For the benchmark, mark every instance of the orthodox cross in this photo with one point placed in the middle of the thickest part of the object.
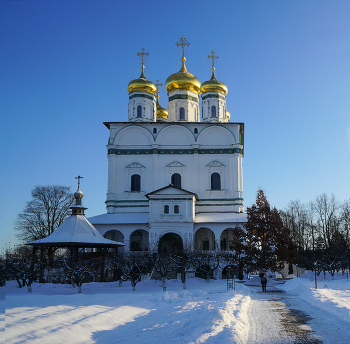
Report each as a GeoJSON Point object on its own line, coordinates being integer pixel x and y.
{"type": "Point", "coordinates": [78, 181]}
{"type": "Point", "coordinates": [213, 57]}
{"type": "Point", "coordinates": [157, 85]}
{"type": "Point", "coordinates": [143, 54]}
{"type": "Point", "coordinates": [183, 43]}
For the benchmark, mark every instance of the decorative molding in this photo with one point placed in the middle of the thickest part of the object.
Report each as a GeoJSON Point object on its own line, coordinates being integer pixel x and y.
{"type": "Point", "coordinates": [175, 164]}
{"type": "Point", "coordinates": [142, 96]}
{"type": "Point", "coordinates": [126, 201]}
{"type": "Point", "coordinates": [128, 206]}
{"type": "Point", "coordinates": [215, 163]}
{"type": "Point", "coordinates": [183, 96]}
{"type": "Point", "coordinates": [217, 205]}
{"type": "Point", "coordinates": [174, 151]}
{"type": "Point", "coordinates": [135, 165]}
{"type": "Point", "coordinates": [214, 96]}
{"type": "Point", "coordinates": [221, 199]}
{"type": "Point", "coordinates": [172, 199]}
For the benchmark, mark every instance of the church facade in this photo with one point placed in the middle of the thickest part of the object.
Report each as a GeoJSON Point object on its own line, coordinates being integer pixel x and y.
{"type": "Point", "coordinates": [175, 177]}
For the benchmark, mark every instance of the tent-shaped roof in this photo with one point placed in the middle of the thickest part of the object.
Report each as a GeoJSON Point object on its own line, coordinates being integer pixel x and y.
{"type": "Point", "coordinates": [76, 231]}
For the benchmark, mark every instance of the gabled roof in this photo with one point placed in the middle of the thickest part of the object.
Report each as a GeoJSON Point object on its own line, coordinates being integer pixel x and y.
{"type": "Point", "coordinates": [176, 192]}
{"type": "Point", "coordinates": [76, 231]}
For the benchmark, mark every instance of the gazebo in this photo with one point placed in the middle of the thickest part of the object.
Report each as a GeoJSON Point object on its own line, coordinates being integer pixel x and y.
{"type": "Point", "coordinates": [76, 233]}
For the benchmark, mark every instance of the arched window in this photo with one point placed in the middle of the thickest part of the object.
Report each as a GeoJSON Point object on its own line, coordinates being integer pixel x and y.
{"type": "Point", "coordinates": [213, 111]}
{"type": "Point", "coordinates": [215, 181]}
{"type": "Point", "coordinates": [154, 130]}
{"type": "Point", "coordinates": [139, 111]}
{"type": "Point", "coordinates": [176, 180]}
{"type": "Point", "coordinates": [166, 209]}
{"type": "Point", "coordinates": [176, 209]}
{"type": "Point", "coordinates": [195, 130]}
{"type": "Point", "coordinates": [135, 182]}
{"type": "Point", "coordinates": [182, 113]}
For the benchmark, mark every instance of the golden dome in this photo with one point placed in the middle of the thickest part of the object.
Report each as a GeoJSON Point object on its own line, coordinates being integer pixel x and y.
{"type": "Point", "coordinates": [142, 85]}
{"type": "Point", "coordinates": [214, 85]}
{"type": "Point", "coordinates": [228, 116]}
{"type": "Point", "coordinates": [162, 114]}
{"type": "Point", "coordinates": [182, 80]}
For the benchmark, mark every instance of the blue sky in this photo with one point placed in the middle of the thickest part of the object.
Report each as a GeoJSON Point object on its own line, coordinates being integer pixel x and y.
{"type": "Point", "coordinates": [65, 67]}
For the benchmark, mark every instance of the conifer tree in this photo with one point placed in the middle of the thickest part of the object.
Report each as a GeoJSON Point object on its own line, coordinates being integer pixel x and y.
{"type": "Point", "coordinates": [268, 244]}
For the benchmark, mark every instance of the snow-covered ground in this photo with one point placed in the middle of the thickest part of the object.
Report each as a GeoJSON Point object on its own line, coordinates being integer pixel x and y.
{"type": "Point", "coordinates": [203, 313]}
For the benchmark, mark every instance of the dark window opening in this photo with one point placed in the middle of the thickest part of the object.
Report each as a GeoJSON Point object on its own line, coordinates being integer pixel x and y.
{"type": "Point", "coordinates": [139, 111]}
{"type": "Point", "coordinates": [205, 245]}
{"type": "Point", "coordinates": [135, 182]}
{"type": "Point", "coordinates": [182, 113]}
{"type": "Point", "coordinates": [195, 130]}
{"type": "Point", "coordinates": [176, 180]}
{"type": "Point", "coordinates": [213, 111]}
{"type": "Point", "coordinates": [215, 181]}
{"type": "Point", "coordinates": [176, 209]}
{"type": "Point", "coordinates": [154, 130]}
{"type": "Point", "coordinates": [166, 209]}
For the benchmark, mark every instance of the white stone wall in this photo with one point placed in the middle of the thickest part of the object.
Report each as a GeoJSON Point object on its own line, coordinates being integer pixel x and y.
{"type": "Point", "coordinates": [149, 109]}
{"type": "Point", "coordinates": [191, 107]}
{"type": "Point", "coordinates": [220, 105]}
{"type": "Point", "coordinates": [156, 169]}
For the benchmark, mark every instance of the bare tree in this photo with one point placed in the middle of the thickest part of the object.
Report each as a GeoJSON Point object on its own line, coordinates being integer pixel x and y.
{"type": "Point", "coordinates": [46, 211]}
{"type": "Point", "coordinates": [183, 261]}
{"type": "Point", "coordinates": [326, 211]}
{"type": "Point", "coordinates": [206, 262]}
{"type": "Point", "coordinates": [78, 271]}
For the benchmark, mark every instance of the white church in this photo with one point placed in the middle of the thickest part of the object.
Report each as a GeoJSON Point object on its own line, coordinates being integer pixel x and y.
{"type": "Point", "coordinates": [175, 178]}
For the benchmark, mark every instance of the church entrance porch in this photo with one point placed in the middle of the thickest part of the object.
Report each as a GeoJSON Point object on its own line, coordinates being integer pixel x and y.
{"type": "Point", "coordinates": [204, 240]}
{"type": "Point", "coordinates": [170, 242]}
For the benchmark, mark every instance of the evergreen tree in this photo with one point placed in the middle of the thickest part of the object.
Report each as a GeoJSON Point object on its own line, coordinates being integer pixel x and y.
{"type": "Point", "coordinates": [268, 244]}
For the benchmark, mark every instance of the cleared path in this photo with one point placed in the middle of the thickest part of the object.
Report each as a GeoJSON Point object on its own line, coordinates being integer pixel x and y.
{"type": "Point", "coordinates": [278, 317]}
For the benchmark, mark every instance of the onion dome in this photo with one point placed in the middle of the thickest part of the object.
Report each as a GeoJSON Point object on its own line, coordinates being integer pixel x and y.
{"type": "Point", "coordinates": [213, 85]}
{"type": "Point", "coordinates": [182, 80]}
{"type": "Point", "coordinates": [78, 195]}
{"type": "Point", "coordinates": [162, 114]}
{"type": "Point", "coordinates": [142, 85]}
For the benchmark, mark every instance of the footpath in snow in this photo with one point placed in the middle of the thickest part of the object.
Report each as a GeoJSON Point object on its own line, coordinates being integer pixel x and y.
{"type": "Point", "coordinates": [203, 313]}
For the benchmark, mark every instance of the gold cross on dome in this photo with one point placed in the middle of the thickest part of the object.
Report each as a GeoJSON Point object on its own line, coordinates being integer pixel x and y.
{"type": "Point", "coordinates": [183, 43]}
{"type": "Point", "coordinates": [79, 177]}
{"type": "Point", "coordinates": [213, 57]}
{"type": "Point", "coordinates": [143, 54]}
{"type": "Point", "coordinates": [158, 85]}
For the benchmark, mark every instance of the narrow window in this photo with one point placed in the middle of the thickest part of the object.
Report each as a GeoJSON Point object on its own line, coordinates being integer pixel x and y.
{"type": "Point", "coordinates": [176, 180]}
{"type": "Point", "coordinates": [139, 111]}
{"type": "Point", "coordinates": [195, 130]}
{"type": "Point", "coordinates": [213, 111]}
{"type": "Point", "coordinates": [135, 182]}
{"type": "Point", "coordinates": [176, 209]}
{"type": "Point", "coordinates": [215, 181]}
{"type": "Point", "coordinates": [154, 130]}
{"type": "Point", "coordinates": [182, 113]}
{"type": "Point", "coordinates": [166, 209]}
